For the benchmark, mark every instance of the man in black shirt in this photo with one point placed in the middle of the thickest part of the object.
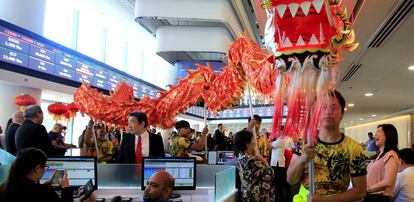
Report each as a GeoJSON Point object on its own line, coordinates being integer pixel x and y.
{"type": "Point", "coordinates": [17, 120]}
{"type": "Point", "coordinates": [32, 133]}
{"type": "Point", "coordinates": [220, 138]}
{"type": "Point", "coordinates": [56, 138]}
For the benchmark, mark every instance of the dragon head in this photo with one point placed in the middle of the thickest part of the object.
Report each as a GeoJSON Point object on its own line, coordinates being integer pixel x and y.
{"type": "Point", "coordinates": [319, 27]}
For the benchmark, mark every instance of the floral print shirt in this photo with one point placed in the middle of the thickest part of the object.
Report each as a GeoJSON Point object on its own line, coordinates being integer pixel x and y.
{"type": "Point", "coordinates": [256, 179]}
{"type": "Point", "coordinates": [262, 146]}
{"type": "Point", "coordinates": [179, 147]}
{"type": "Point", "coordinates": [335, 164]}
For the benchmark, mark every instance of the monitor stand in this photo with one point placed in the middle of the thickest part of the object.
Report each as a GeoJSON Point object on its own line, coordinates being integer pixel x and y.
{"type": "Point", "coordinates": [175, 195]}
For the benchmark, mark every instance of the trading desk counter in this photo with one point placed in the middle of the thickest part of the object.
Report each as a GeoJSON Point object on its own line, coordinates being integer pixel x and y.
{"type": "Point", "coordinates": [213, 182]}
{"type": "Point", "coordinates": [198, 195]}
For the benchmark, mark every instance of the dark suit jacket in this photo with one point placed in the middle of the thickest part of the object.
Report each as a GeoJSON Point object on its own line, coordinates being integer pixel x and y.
{"type": "Point", "coordinates": [127, 148]}
{"type": "Point", "coordinates": [10, 138]}
{"type": "Point", "coordinates": [30, 134]}
{"type": "Point", "coordinates": [220, 140]}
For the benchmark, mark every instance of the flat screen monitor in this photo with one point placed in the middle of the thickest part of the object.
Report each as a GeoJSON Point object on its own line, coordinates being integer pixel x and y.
{"type": "Point", "coordinates": [182, 169]}
{"type": "Point", "coordinates": [80, 169]}
{"type": "Point", "coordinates": [212, 157]}
{"type": "Point", "coordinates": [224, 156]}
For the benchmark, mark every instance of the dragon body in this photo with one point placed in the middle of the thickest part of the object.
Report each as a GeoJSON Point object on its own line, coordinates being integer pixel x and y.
{"type": "Point", "coordinates": [304, 42]}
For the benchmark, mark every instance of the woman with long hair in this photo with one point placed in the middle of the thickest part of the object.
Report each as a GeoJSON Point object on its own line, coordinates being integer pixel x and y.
{"type": "Point", "coordinates": [255, 173]}
{"type": "Point", "coordinates": [24, 175]}
{"type": "Point", "coordinates": [382, 171]}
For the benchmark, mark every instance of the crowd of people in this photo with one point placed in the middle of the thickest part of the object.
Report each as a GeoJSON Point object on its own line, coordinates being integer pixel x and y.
{"type": "Point", "coordinates": [268, 169]}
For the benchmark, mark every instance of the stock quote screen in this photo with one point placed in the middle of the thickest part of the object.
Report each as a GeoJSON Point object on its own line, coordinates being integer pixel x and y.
{"type": "Point", "coordinates": [25, 49]}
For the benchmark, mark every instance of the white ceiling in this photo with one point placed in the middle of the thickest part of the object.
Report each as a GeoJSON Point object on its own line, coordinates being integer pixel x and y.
{"type": "Point", "coordinates": [384, 69]}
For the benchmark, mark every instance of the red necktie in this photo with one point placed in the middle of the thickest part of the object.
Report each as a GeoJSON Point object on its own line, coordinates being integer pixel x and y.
{"type": "Point", "coordinates": [138, 153]}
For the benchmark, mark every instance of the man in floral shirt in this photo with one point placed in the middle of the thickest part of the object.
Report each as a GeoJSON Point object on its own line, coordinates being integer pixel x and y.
{"type": "Point", "coordinates": [180, 145]}
{"type": "Point", "coordinates": [338, 159]}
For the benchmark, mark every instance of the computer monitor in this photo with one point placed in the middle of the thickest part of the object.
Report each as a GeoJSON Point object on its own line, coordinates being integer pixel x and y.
{"type": "Point", "coordinates": [212, 157]}
{"type": "Point", "coordinates": [79, 169]}
{"type": "Point", "coordinates": [182, 169]}
{"type": "Point", "coordinates": [224, 156]}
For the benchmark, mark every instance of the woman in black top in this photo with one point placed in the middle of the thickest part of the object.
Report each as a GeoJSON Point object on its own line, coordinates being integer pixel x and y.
{"type": "Point", "coordinates": [22, 182]}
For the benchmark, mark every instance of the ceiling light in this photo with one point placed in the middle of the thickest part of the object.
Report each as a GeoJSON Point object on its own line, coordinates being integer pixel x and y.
{"type": "Point", "coordinates": [351, 104]}
{"type": "Point", "coordinates": [369, 94]}
{"type": "Point", "coordinates": [411, 68]}
{"type": "Point", "coordinates": [346, 109]}
{"type": "Point", "coordinates": [361, 119]}
{"type": "Point", "coordinates": [374, 115]}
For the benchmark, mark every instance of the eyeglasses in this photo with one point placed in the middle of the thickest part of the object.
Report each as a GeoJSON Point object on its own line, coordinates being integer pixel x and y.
{"type": "Point", "coordinates": [331, 107]}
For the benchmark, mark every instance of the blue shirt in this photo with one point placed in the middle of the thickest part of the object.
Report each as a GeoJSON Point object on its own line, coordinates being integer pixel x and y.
{"type": "Point", "coordinates": [371, 145]}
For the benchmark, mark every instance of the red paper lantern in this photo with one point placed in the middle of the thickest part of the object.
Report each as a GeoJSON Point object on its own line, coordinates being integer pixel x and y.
{"type": "Point", "coordinates": [57, 110]}
{"type": "Point", "coordinates": [24, 100]}
{"type": "Point", "coordinates": [72, 108]}
{"type": "Point", "coordinates": [66, 116]}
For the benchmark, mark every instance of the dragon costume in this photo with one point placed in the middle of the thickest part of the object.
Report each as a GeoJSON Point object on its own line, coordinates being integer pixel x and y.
{"type": "Point", "coordinates": [304, 42]}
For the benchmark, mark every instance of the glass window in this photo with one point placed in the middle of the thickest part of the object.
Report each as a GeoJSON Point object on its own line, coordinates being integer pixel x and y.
{"type": "Point", "coordinates": [135, 59]}
{"type": "Point", "coordinates": [90, 34]}
{"type": "Point", "coordinates": [48, 121]}
{"type": "Point", "coordinates": [115, 48]}
{"type": "Point", "coordinates": [58, 24]}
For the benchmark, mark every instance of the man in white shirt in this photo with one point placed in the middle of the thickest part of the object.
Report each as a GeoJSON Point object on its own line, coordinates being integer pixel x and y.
{"type": "Point", "coordinates": [278, 163]}
{"type": "Point", "coordinates": [404, 187]}
{"type": "Point", "coordinates": [139, 143]}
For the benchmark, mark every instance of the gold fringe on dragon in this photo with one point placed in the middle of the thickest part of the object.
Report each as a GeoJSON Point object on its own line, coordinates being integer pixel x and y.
{"type": "Point", "coordinates": [304, 42]}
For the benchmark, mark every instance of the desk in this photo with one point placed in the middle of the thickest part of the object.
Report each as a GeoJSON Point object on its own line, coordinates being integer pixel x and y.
{"type": "Point", "coordinates": [199, 195]}
{"type": "Point", "coordinates": [213, 181]}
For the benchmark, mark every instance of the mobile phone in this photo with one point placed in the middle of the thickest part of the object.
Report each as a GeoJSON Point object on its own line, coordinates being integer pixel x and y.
{"type": "Point", "coordinates": [88, 189]}
{"type": "Point", "coordinates": [58, 175]}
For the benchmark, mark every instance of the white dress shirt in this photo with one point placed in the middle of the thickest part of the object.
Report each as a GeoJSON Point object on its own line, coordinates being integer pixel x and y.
{"type": "Point", "coordinates": [404, 187]}
{"type": "Point", "coordinates": [278, 152]}
{"type": "Point", "coordinates": [144, 143]}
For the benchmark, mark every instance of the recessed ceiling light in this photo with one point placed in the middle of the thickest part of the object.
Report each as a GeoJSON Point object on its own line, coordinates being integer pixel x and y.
{"type": "Point", "coordinates": [346, 109]}
{"type": "Point", "coordinates": [351, 104]}
{"type": "Point", "coordinates": [374, 115]}
{"type": "Point", "coordinates": [369, 94]}
{"type": "Point", "coordinates": [411, 68]}
{"type": "Point", "coordinates": [361, 119]}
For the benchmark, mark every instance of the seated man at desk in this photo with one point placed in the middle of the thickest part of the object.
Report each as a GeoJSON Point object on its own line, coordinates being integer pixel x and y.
{"type": "Point", "coordinates": [159, 187]}
{"type": "Point", "coordinates": [180, 146]}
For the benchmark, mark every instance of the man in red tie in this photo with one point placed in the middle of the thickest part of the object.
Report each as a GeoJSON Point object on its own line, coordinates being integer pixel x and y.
{"type": "Point", "coordinates": [140, 142]}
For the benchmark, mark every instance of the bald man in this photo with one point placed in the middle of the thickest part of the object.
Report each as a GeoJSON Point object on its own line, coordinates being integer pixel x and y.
{"type": "Point", "coordinates": [17, 120]}
{"type": "Point", "coordinates": [56, 138]}
{"type": "Point", "coordinates": [159, 187]}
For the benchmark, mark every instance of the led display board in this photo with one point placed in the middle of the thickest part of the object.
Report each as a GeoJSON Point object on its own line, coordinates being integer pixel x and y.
{"type": "Point", "coordinates": [22, 51]}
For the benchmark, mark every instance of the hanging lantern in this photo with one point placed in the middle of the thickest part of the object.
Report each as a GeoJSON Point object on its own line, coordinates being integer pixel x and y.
{"type": "Point", "coordinates": [66, 116]}
{"type": "Point", "coordinates": [24, 100]}
{"type": "Point", "coordinates": [57, 110]}
{"type": "Point", "coordinates": [72, 108]}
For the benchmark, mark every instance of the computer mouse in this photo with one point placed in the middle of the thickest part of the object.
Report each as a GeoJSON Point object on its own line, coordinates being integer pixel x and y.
{"type": "Point", "coordinates": [116, 199]}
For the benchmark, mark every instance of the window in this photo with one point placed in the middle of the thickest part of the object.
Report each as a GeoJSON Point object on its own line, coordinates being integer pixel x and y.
{"type": "Point", "coordinates": [58, 24]}
{"type": "Point", "coordinates": [90, 34]}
